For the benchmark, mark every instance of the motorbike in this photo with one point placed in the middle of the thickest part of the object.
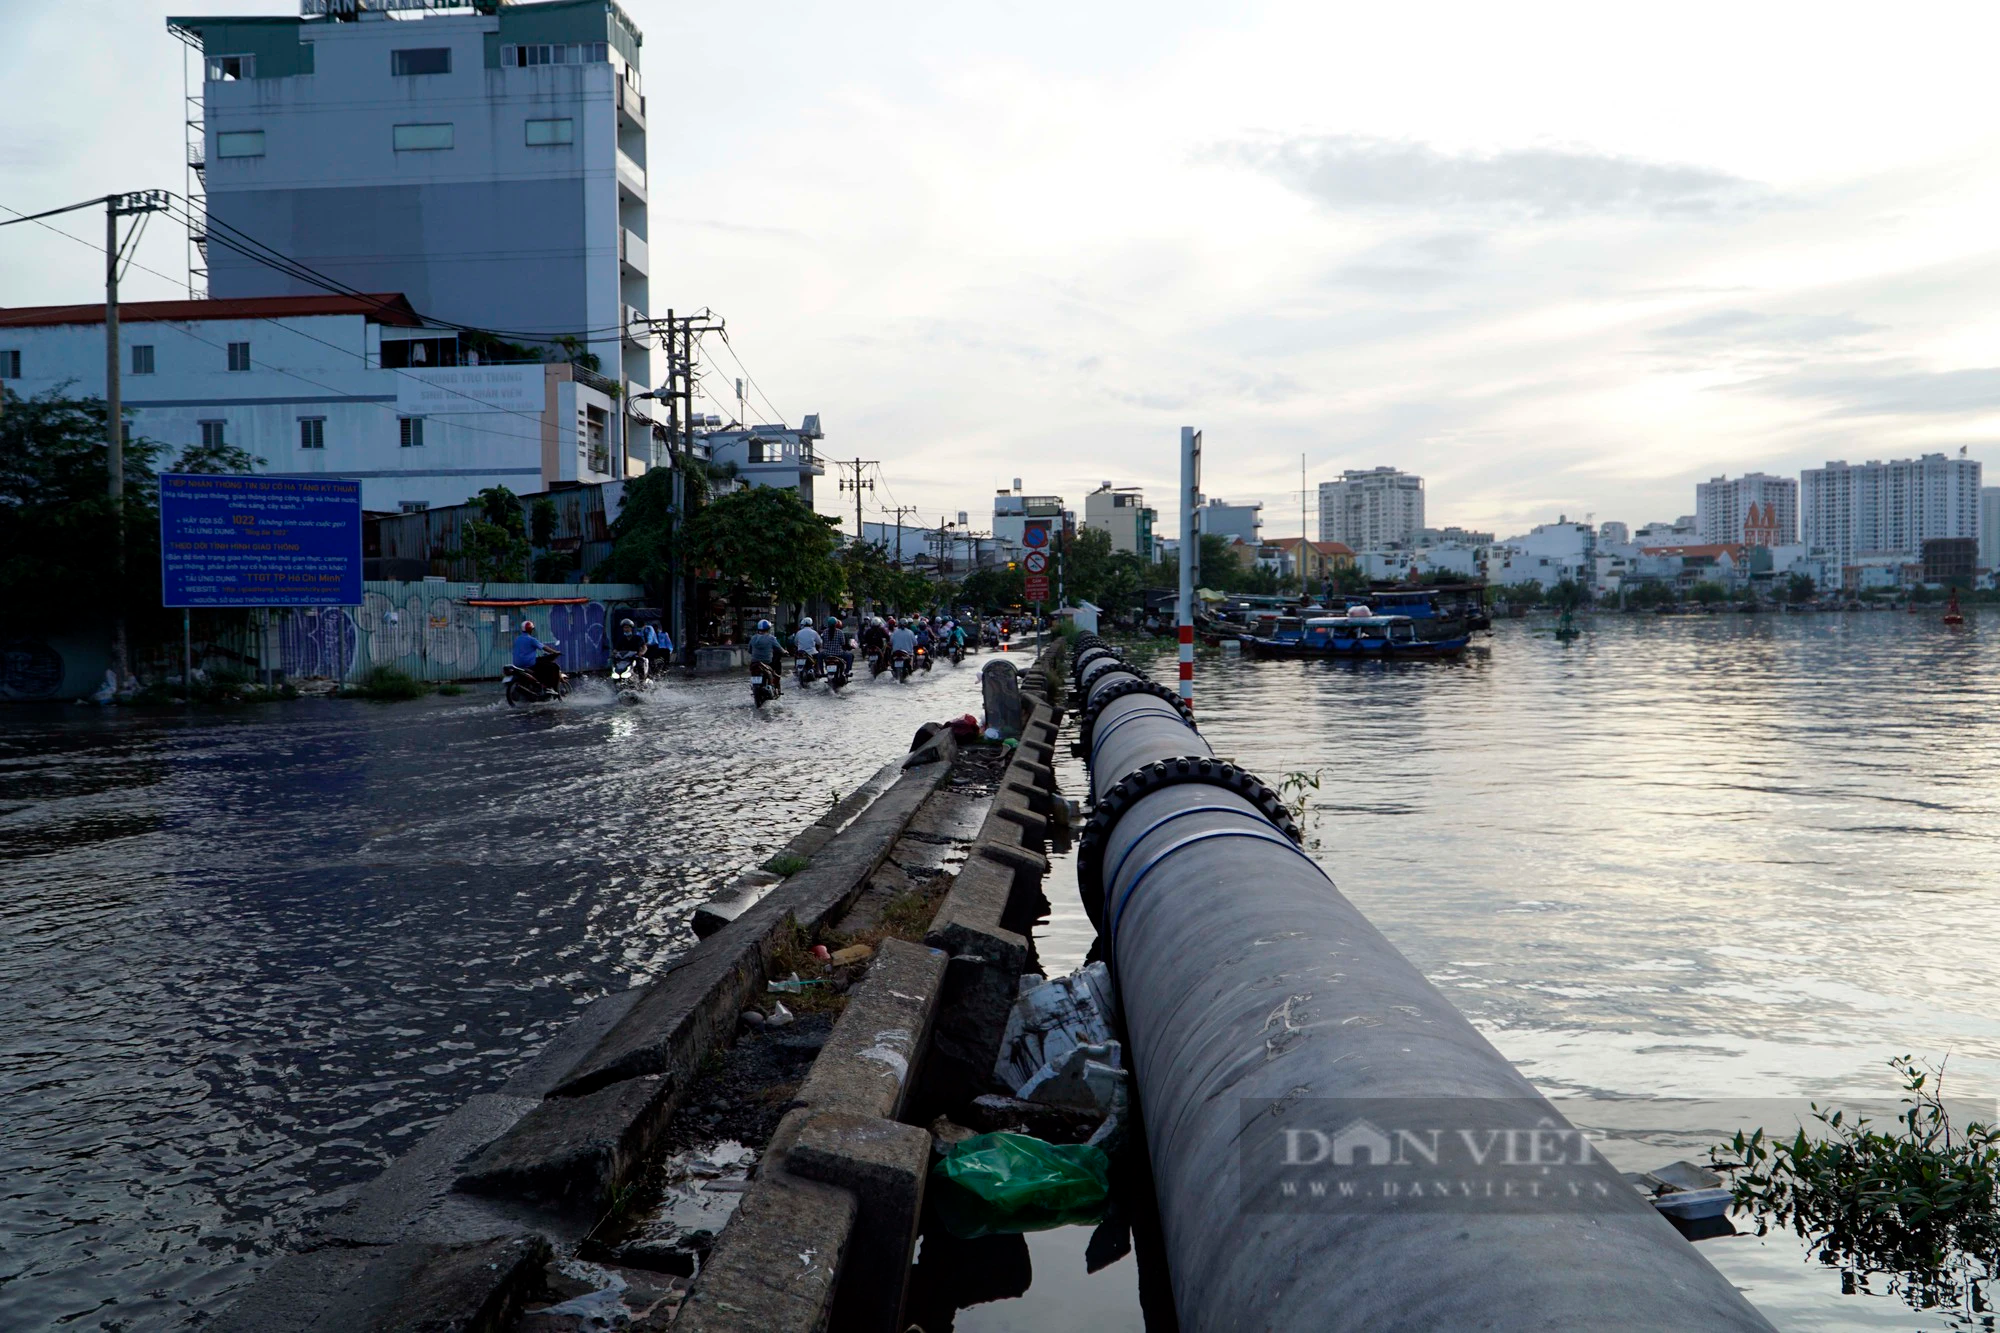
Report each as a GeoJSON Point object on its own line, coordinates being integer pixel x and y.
{"type": "Point", "coordinates": [628, 676]}
{"type": "Point", "coordinates": [923, 658]}
{"type": "Point", "coordinates": [808, 669]}
{"type": "Point", "coordinates": [957, 652]}
{"type": "Point", "coordinates": [901, 663]}
{"type": "Point", "coordinates": [765, 683]}
{"type": "Point", "coordinates": [835, 671]}
{"type": "Point", "coordinates": [523, 686]}
{"type": "Point", "coordinates": [879, 662]}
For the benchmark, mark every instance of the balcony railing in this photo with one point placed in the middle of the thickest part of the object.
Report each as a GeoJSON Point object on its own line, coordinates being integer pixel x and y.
{"type": "Point", "coordinates": [631, 104]}
{"type": "Point", "coordinates": [631, 177]}
{"type": "Point", "coordinates": [632, 251]}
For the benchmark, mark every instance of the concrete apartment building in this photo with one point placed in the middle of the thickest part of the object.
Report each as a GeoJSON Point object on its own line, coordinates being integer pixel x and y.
{"type": "Point", "coordinates": [769, 455]}
{"type": "Point", "coordinates": [327, 385]}
{"type": "Point", "coordinates": [1122, 512]}
{"type": "Point", "coordinates": [1888, 509]}
{"type": "Point", "coordinates": [1723, 507]}
{"type": "Point", "coordinates": [1989, 527]}
{"type": "Point", "coordinates": [485, 160]}
{"type": "Point", "coordinates": [1372, 507]}
{"type": "Point", "coordinates": [1233, 522]}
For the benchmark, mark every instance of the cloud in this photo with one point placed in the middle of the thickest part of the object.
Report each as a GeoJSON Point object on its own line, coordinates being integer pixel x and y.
{"type": "Point", "coordinates": [1352, 172]}
{"type": "Point", "coordinates": [1755, 326]}
{"type": "Point", "coordinates": [1890, 388]}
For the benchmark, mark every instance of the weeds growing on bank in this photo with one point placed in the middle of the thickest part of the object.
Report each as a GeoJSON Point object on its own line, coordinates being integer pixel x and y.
{"type": "Point", "coordinates": [1915, 1207]}
{"type": "Point", "coordinates": [787, 864]}
{"type": "Point", "coordinates": [386, 683]}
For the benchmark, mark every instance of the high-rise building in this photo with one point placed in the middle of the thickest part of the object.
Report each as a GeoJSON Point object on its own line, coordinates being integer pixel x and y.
{"type": "Point", "coordinates": [1722, 507]}
{"type": "Point", "coordinates": [1372, 507]}
{"type": "Point", "coordinates": [1242, 523]}
{"type": "Point", "coordinates": [1122, 512]}
{"type": "Point", "coordinates": [1614, 534]}
{"type": "Point", "coordinates": [1890, 508]}
{"type": "Point", "coordinates": [486, 160]}
{"type": "Point", "coordinates": [1989, 527]}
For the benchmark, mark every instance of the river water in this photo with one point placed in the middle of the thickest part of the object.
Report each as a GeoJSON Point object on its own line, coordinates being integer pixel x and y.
{"type": "Point", "coordinates": [244, 961]}
{"type": "Point", "coordinates": [248, 958]}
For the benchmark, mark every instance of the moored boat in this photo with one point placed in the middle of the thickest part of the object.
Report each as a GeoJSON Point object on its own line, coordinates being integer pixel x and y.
{"type": "Point", "coordinates": [1356, 637]}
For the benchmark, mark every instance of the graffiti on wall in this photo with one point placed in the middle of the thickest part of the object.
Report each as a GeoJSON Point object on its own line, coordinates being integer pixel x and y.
{"type": "Point", "coordinates": [580, 630]}
{"type": "Point", "coordinates": [317, 641]}
{"type": "Point", "coordinates": [439, 633]}
{"type": "Point", "coordinates": [29, 669]}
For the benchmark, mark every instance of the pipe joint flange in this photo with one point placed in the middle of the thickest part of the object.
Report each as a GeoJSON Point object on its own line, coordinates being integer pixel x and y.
{"type": "Point", "coordinates": [1137, 785]}
{"type": "Point", "coordinates": [1087, 666]}
{"type": "Point", "coordinates": [1087, 721]}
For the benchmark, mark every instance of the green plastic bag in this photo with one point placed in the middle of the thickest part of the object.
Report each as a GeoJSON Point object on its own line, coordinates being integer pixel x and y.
{"type": "Point", "coordinates": [1000, 1184]}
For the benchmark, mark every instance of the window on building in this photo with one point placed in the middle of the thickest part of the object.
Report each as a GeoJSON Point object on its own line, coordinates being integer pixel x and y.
{"type": "Point", "coordinates": [227, 69]}
{"type": "Point", "coordinates": [10, 365]}
{"type": "Point", "coordinates": [413, 431]}
{"type": "Point", "coordinates": [413, 506]}
{"type": "Point", "coordinates": [422, 138]}
{"type": "Point", "coordinates": [239, 356]}
{"type": "Point", "coordinates": [312, 432]}
{"type": "Point", "coordinates": [403, 353]}
{"type": "Point", "coordinates": [211, 434]}
{"type": "Point", "coordinates": [421, 60]}
{"type": "Point", "coordinates": [545, 132]}
{"type": "Point", "coordinates": [580, 53]}
{"type": "Point", "coordinates": [239, 143]}
{"type": "Point", "coordinates": [142, 358]}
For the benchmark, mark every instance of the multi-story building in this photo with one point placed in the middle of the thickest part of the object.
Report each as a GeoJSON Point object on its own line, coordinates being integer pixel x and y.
{"type": "Point", "coordinates": [1989, 527]}
{"type": "Point", "coordinates": [1613, 534]}
{"type": "Point", "coordinates": [1770, 504]}
{"type": "Point", "coordinates": [769, 455]}
{"type": "Point", "coordinates": [486, 160]}
{"type": "Point", "coordinates": [328, 385]}
{"type": "Point", "coordinates": [1012, 510]}
{"type": "Point", "coordinates": [1681, 532]}
{"type": "Point", "coordinates": [1453, 536]}
{"type": "Point", "coordinates": [1372, 507]}
{"type": "Point", "coordinates": [1122, 512]}
{"type": "Point", "coordinates": [1233, 522]}
{"type": "Point", "coordinates": [1548, 554]}
{"type": "Point", "coordinates": [1877, 508]}
{"type": "Point", "coordinates": [1318, 562]}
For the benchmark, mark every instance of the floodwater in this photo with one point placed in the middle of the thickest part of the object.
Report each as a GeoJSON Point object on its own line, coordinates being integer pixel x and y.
{"type": "Point", "coordinates": [1730, 859]}
{"type": "Point", "coordinates": [248, 958]}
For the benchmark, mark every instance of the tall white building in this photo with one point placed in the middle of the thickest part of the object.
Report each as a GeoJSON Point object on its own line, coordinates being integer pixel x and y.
{"type": "Point", "coordinates": [1874, 508]}
{"type": "Point", "coordinates": [486, 160]}
{"type": "Point", "coordinates": [1372, 507]}
{"type": "Point", "coordinates": [1722, 507]}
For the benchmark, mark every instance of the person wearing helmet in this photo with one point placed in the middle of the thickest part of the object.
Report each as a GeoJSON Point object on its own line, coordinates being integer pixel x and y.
{"type": "Point", "coordinates": [837, 644]}
{"type": "Point", "coordinates": [528, 657]}
{"type": "Point", "coordinates": [764, 650]}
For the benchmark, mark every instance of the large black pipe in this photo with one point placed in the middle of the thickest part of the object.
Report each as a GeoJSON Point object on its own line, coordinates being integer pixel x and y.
{"type": "Point", "coordinates": [1258, 1001]}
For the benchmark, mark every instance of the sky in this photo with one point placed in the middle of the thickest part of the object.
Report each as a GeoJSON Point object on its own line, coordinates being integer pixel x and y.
{"type": "Point", "coordinates": [1557, 259]}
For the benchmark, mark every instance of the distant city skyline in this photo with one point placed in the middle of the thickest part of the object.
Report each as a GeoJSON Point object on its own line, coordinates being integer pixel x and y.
{"type": "Point", "coordinates": [1529, 267]}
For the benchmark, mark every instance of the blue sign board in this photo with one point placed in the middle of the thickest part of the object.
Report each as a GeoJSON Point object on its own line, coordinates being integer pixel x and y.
{"type": "Point", "coordinates": [236, 540]}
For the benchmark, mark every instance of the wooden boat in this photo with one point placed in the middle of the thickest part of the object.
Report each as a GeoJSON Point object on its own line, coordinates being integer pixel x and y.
{"type": "Point", "coordinates": [1357, 637]}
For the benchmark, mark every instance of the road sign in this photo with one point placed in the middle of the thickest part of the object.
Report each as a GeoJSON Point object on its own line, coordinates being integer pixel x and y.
{"type": "Point", "coordinates": [1035, 535]}
{"type": "Point", "coordinates": [1036, 562]}
{"type": "Point", "coordinates": [1036, 587]}
{"type": "Point", "coordinates": [237, 540]}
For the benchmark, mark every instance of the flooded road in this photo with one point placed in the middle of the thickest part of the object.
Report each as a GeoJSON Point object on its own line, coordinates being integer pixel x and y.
{"type": "Point", "coordinates": [248, 958]}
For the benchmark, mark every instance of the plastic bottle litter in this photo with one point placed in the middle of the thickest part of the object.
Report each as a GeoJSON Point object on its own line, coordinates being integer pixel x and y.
{"type": "Point", "coordinates": [792, 987]}
{"type": "Point", "coordinates": [1001, 1184]}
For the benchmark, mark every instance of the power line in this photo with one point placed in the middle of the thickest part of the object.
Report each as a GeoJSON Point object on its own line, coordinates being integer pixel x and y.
{"type": "Point", "coordinates": [731, 349]}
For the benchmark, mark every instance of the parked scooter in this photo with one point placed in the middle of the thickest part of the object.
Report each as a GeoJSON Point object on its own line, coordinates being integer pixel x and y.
{"type": "Point", "coordinates": [526, 687]}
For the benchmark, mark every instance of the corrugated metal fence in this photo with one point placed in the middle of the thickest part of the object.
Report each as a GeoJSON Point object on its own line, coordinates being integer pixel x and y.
{"type": "Point", "coordinates": [429, 630]}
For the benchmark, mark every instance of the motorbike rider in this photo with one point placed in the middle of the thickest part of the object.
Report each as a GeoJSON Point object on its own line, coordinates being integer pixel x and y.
{"type": "Point", "coordinates": [874, 638]}
{"type": "Point", "coordinates": [903, 639]}
{"type": "Point", "coordinates": [659, 649]}
{"type": "Point", "coordinates": [837, 644]}
{"type": "Point", "coordinates": [528, 657]}
{"type": "Point", "coordinates": [764, 649]}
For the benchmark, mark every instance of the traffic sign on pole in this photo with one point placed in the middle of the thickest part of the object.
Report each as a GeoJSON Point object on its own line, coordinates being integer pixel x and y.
{"type": "Point", "coordinates": [1036, 562]}
{"type": "Point", "coordinates": [1036, 588]}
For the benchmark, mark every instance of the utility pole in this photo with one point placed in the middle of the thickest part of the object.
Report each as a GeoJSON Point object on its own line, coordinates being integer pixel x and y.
{"type": "Point", "coordinates": [899, 511]}
{"type": "Point", "coordinates": [1190, 553]}
{"type": "Point", "coordinates": [116, 206]}
{"type": "Point", "coordinates": [853, 478]}
{"type": "Point", "coordinates": [678, 334]}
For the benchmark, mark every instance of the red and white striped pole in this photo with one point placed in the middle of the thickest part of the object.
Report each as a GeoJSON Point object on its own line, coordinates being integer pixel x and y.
{"type": "Point", "coordinates": [1190, 553]}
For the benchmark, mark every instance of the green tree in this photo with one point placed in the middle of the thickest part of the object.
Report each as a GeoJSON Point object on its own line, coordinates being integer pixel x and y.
{"type": "Point", "coordinates": [770, 540]}
{"type": "Point", "coordinates": [642, 536]}
{"type": "Point", "coordinates": [1800, 588]}
{"type": "Point", "coordinates": [1567, 595]}
{"type": "Point", "coordinates": [1710, 593]}
{"type": "Point", "coordinates": [870, 577]}
{"type": "Point", "coordinates": [58, 534]}
{"type": "Point", "coordinates": [993, 590]}
{"type": "Point", "coordinates": [497, 541]}
{"type": "Point", "coordinates": [1528, 592]}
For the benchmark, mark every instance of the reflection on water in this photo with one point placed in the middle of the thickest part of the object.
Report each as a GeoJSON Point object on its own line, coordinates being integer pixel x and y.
{"type": "Point", "coordinates": [1719, 858]}
{"type": "Point", "coordinates": [247, 959]}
